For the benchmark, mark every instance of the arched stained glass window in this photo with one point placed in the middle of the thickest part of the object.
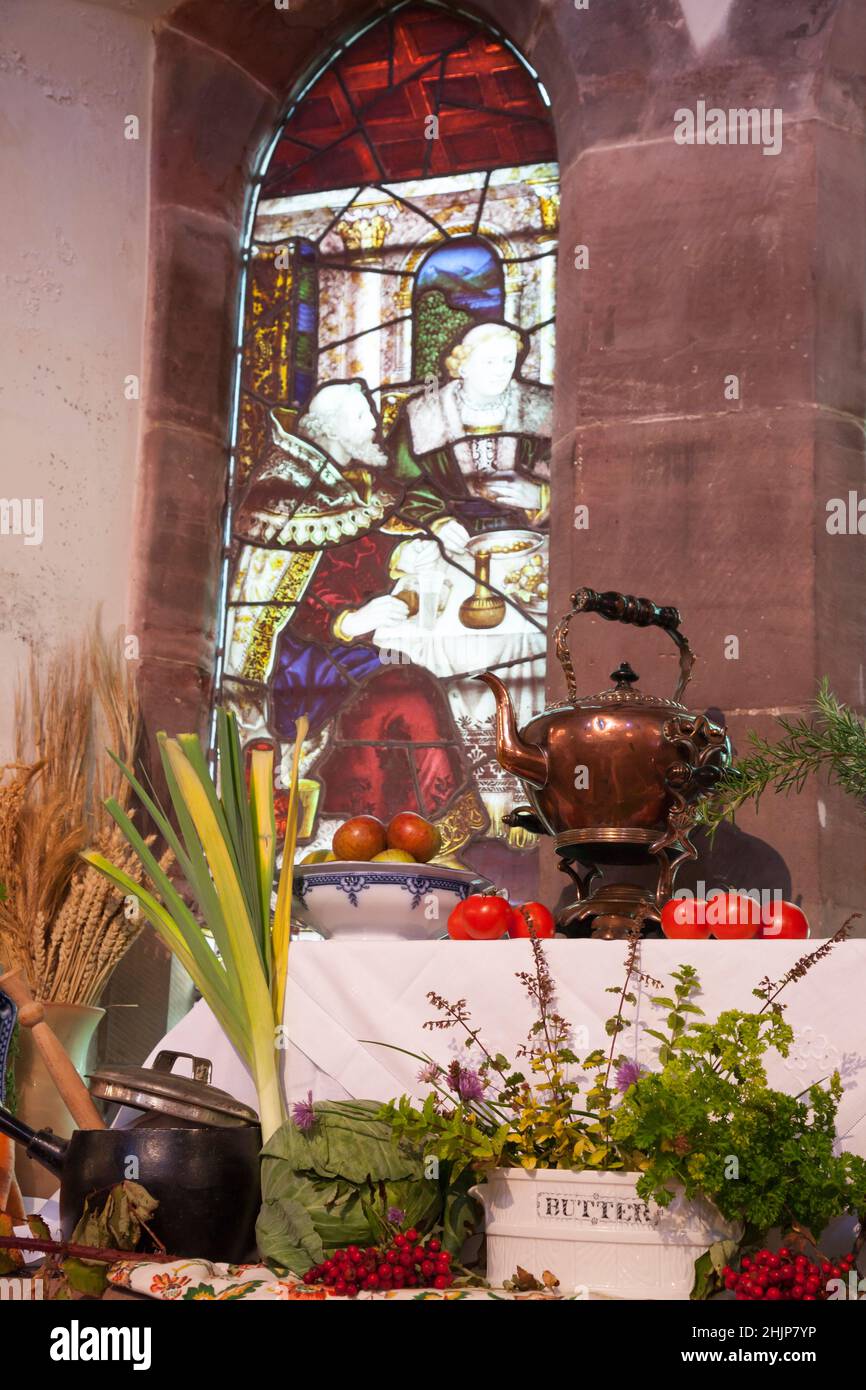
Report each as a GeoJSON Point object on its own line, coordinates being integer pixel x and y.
{"type": "Point", "coordinates": [387, 528]}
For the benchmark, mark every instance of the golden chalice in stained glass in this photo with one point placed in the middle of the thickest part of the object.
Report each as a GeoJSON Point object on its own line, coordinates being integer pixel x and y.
{"type": "Point", "coordinates": [492, 553]}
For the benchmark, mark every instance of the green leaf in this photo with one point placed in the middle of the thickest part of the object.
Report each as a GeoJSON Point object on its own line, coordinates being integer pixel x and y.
{"type": "Point", "coordinates": [142, 1206]}
{"type": "Point", "coordinates": [705, 1281]}
{"type": "Point", "coordinates": [347, 1141]}
{"type": "Point", "coordinates": [709, 1266]}
{"type": "Point", "coordinates": [10, 1260]}
{"type": "Point", "coordinates": [722, 1253]}
{"type": "Point", "coordinates": [286, 1236]}
{"type": "Point", "coordinates": [114, 1220]}
{"type": "Point", "coordinates": [38, 1228]}
{"type": "Point", "coordinates": [86, 1276]}
{"type": "Point", "coordinates": [235, 805]}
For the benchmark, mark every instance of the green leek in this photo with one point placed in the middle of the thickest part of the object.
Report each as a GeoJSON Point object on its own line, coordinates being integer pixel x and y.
{"type": "Point", "coordinates": [224, 843]}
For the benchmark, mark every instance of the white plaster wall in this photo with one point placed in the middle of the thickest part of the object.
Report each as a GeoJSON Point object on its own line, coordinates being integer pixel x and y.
{"type": "Point", "coordinates": [72, 287]}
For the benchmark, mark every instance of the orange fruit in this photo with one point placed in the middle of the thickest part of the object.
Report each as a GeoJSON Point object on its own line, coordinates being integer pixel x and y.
{"type": "Point", "coordinates": [415, 835]}
{"type": "Point", "coordinates": [362, 837]}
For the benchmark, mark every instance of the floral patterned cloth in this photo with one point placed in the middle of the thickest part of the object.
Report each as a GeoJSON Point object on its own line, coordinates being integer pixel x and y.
{"type": "Point", "coordinates": [192, 1280]}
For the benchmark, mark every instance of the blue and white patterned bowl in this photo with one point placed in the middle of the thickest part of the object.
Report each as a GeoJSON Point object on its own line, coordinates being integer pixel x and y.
{"type": "Point", "coordinates": [352, 900]}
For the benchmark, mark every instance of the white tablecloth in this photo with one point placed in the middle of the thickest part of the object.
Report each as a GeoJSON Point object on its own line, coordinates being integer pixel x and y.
{"type": "Point", "coordinates": [343, 998]}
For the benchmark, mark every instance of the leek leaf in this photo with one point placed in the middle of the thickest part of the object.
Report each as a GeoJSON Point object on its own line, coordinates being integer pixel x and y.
{"type": "Point", "coordinates": [233, 798]}
{"type": "Point", "coordinates": [200, 964]}
{"type": "Point", "coordinates": [264, 823]}
{"type": "Point", "coordinates": [282, 929]}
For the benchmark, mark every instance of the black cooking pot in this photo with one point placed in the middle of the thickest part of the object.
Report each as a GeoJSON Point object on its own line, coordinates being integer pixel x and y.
{"type": "Point", "coordinates": [206, 1180]}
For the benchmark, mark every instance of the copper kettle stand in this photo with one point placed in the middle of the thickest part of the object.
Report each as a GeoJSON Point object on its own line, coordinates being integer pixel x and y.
{"type": "Point", "coordinates": [608, 912]}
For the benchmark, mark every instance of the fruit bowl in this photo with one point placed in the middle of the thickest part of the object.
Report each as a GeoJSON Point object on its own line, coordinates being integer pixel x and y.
{"type": "Point", "coordinates": [360, 901]}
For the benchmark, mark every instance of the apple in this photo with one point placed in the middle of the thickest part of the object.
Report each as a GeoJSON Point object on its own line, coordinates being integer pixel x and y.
{"type": "Point", "coordinates": [415, 835]}
{"type": "Point", "coordinates": [359, 838]}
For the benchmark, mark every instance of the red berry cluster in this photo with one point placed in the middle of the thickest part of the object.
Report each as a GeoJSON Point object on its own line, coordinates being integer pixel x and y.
{"type": "Point", "coordinates": [407, 1263]}
{"type": "Point", "coordinates": [781, 1274]}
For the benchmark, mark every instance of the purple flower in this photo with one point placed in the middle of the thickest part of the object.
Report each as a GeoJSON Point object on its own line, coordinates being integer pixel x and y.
{"type": "Point", "coordinates": [427, 1075]}
{"type": "Point", "coordinates": [627, 1075]}
{"type": "Point", "coordinates": [468, 1084]}
{"type": "Point", "coordinates": [396, 1216]}
{"type": "Point", "coordinates": [303, 1114]}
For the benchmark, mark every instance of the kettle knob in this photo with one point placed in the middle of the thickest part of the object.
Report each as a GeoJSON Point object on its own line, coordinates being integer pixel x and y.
{"type": "Point", "coordinates": [624, 676]}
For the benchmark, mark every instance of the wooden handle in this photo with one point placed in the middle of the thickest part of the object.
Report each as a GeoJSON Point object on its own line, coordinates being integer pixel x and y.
{"type": "Point", "coordinates": [31, 1014]}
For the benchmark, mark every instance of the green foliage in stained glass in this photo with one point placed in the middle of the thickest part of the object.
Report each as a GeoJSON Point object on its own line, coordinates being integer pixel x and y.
{"type": "Point", "coordinates": [437, 328]}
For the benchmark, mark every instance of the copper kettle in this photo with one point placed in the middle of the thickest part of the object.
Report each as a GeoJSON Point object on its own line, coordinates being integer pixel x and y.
{"type": "Point", "coordinates": [617, 775]}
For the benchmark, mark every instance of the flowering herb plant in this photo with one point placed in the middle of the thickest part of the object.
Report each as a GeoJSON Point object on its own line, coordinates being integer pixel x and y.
{"type": "Point", "coordinates": [547, 1108]}
{"type": "Point", "coordinates": [704, 1121]}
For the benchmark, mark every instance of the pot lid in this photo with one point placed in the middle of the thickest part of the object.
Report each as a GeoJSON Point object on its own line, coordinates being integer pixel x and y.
{"type": "Point", "coordinates": [624, 692]}
{"type": "Point", "coordinates": [161, 1089]}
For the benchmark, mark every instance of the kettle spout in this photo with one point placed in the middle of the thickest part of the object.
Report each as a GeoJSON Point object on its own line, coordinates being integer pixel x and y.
{"type": "Point", "coordinates": [524, 760]}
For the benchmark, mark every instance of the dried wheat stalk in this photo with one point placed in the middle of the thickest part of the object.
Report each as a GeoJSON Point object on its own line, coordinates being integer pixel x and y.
{"type": "Point", "coordinates": [61, 920]}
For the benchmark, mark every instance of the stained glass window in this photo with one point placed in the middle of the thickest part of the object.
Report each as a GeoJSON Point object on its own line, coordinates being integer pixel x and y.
{"type": "Point", "coordinates": [386, 533]}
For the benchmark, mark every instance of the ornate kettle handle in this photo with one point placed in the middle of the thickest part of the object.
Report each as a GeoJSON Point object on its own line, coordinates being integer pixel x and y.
{"type": "Point", "coordinates": [622, 608]}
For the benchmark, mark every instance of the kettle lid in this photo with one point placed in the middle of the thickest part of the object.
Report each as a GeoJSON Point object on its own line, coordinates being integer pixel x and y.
{"type": "Point", "coordinates": [625, 692]}
{"type": "Point", "coordinates": [159, 1088]}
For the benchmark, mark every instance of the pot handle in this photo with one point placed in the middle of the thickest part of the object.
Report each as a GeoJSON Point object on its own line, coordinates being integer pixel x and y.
{"type": "Point", "coordinates": [45, 1146]}
{"type": "Point", "coordinates": [622, 608]}
{"type": "Point", "coordinates": [202, 1067]}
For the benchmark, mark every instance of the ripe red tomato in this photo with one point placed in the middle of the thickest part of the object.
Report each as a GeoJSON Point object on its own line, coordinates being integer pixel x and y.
{"type": "Point", "coordinates": [456, 924]}
{"type": "Point", "coordinates": [486, 917]}
{"type": "Point", "coordinates": [732, 916]}
{"type": "Point", "coordinates": [681, 920]}
{"type": "Point", "coordinates": [783, 921]}
{"type": "Point", "coordinates": [534, 915]}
